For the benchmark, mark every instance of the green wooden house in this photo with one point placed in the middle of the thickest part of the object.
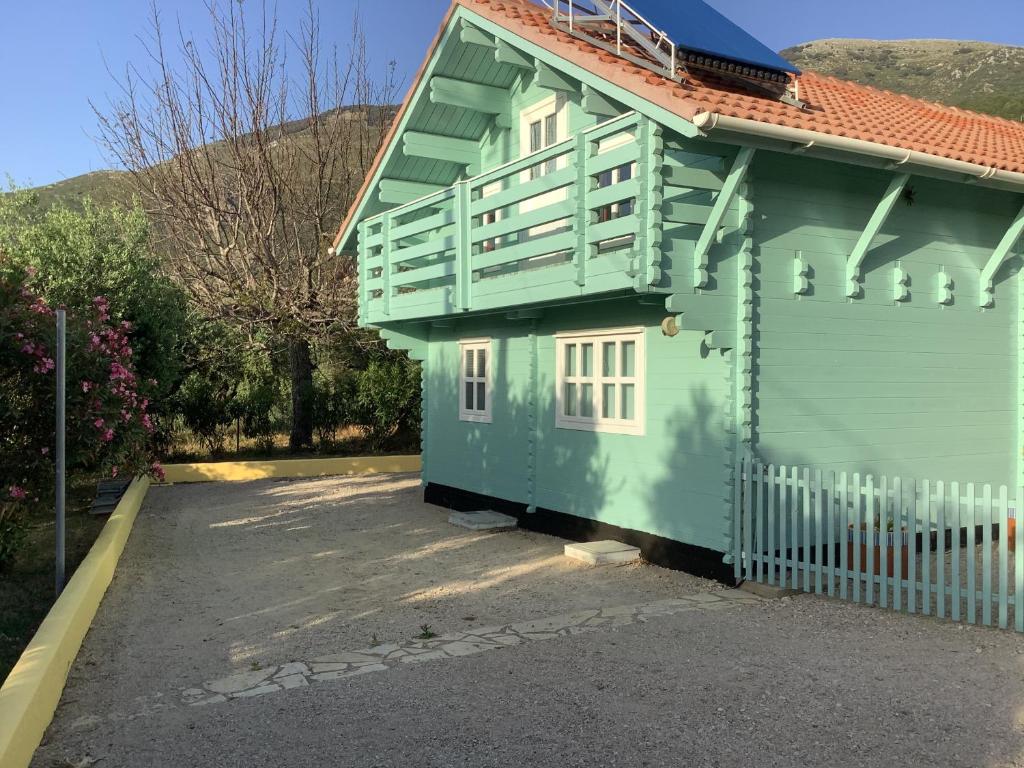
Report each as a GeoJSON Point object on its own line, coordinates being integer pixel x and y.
{"type": "Point", "coordinates": [627, 260]}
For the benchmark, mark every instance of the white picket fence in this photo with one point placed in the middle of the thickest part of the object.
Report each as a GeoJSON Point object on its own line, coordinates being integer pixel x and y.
{"type": "Point", "coordinates": [949, 548]}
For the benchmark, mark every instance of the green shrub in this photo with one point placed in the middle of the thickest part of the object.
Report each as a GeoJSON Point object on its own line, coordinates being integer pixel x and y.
{"type": "Point", "coordinates": [334, 404]}
{"type": "Point", "coordinates": [203, 403]}
{"type": "Point", "coordinates": [388, 396]}
{"type": "Point", "coordinates": [12, 535]}
{"type": "Point", "coordinates": [74, 256]}
{"type": "Point", "coordinates": [259, 404]}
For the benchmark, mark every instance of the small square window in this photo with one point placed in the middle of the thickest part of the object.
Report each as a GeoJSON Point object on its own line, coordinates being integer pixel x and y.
{"type": "Point", "coordinates": [474, 379]}
{"type": "Point", "coordinates": [599, 381]}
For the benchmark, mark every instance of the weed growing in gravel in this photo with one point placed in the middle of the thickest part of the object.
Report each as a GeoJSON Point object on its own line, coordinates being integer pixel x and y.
{"type": "Point", "coordinates": [426, 632]}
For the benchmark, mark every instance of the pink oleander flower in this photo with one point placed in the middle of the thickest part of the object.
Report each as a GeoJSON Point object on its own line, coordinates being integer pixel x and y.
{"type": "Point", "coordinates": [113, 471]}
{"type": "Point", "coordinates": [29, 348]}
{"type": "Point", "coordinates": [87, 385]}
{"type": "Point", "coordinates": [17, 492]}
{"type": "Point", "coordinates": [158, 471]}
{"type": "Point", "coordinates": [44, 366]}
{"type": "Point", "coordinates": [45, 451]}
{"type": "Point", "coordinates": [99, 423]}
{"type": "Point", "coordinates": [108, 436]}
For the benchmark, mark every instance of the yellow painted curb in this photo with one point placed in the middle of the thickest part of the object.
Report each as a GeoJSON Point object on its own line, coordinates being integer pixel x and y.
{"type": "Point", "coordinates": [33, 689]}
{"type": "Point", "coordinates": [236, 471]}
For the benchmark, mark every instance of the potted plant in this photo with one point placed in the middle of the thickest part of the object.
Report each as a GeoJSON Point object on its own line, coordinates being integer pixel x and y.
{"type": "Point", "coordinates": [895, 543]}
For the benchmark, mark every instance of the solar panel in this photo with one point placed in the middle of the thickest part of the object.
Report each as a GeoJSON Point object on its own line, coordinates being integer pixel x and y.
{"type": "Point", "coordinates": [695, 26]}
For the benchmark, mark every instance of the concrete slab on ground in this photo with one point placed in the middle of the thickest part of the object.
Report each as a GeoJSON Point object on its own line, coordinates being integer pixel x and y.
{"type": "Point", "coordinates": [605, 552]}
{"type": "Point", "coordinates": [483, 520]}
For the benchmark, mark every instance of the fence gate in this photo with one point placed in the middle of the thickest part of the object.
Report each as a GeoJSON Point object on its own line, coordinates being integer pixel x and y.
{"type": "Point", "coordinates": [920, 546]}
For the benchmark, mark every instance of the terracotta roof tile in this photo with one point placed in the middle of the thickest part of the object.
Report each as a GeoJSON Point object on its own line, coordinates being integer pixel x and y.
{"type": "Point", "coordinates": [835, 107]}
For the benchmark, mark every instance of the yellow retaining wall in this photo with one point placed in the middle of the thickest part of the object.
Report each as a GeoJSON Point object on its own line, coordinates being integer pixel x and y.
{"type": "Point", "coordinates": [235, 471]}
{"type": "Point", "coordinates": [33, 689]}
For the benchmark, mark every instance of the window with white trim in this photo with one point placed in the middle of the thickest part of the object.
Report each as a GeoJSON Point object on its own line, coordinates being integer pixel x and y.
{"type": "Point", "coordinates": [474, 380]}
{"type": "Point", "coordinates": [600, 380]}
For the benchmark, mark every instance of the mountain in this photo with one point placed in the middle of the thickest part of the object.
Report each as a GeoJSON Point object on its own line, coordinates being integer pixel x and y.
{"type": "Point", "coordinates": [980, 76]}
{"type": "Point", "coordinates": [108, 187]}
{"type": "Point", "coordinates": [104, 187]}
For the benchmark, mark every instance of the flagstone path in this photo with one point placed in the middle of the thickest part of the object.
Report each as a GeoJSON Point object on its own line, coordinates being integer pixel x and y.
{"type": "Point", "coordinates": [380, 658]}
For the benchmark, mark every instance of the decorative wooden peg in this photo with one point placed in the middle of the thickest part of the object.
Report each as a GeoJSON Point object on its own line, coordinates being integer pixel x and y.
{"type": "Point", "coordinates": [801, 283]}
{"type": "Point", "coordinates": [945, 288]}
{"type": "Point", "coordinates": [900, 284]}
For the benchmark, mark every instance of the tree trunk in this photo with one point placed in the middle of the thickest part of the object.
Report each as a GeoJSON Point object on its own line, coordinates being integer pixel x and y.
{"type": "Point", "coordinates": [300, 363]}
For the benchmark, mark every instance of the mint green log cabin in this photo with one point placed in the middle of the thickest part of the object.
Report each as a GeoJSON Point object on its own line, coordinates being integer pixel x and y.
{"type": "Point", "coordinates": [612, 306]}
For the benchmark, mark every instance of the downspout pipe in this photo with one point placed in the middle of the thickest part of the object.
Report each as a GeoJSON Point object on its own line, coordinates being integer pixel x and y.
{"type": "Point", "coordinates": [804, 139]}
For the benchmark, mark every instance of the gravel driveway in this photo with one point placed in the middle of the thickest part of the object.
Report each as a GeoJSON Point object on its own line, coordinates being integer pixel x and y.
{"type": "Point", "coordinates": [270, 624]}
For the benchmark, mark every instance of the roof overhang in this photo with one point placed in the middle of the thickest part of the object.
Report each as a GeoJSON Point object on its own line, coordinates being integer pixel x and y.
{"type": "Point", "coordinates": [804, 141]}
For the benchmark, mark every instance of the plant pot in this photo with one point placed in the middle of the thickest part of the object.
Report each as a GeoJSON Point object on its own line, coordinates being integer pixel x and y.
{"type": "Point", "coordinates": [897, 548]}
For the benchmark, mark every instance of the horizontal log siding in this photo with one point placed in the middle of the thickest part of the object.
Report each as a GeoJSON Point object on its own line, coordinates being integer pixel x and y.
{"type": "Point", "coordinates": [668, 482]}
{"type": "Point", "coordinates": [869, 384]}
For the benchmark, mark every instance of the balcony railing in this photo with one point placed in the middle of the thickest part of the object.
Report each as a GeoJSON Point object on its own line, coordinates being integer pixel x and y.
{"type": "Point", "coordinates": [579, 217]}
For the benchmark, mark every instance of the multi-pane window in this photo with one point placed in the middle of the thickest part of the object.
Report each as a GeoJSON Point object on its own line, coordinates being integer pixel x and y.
{"type": "Point", "coordinates": [543, 134]}
{"type": "Point", "coordinates": [474, 380]}
{"type": "Point", "coordinates": [616, 176]}
{"type": "Point", "coordinates": [600, 381]}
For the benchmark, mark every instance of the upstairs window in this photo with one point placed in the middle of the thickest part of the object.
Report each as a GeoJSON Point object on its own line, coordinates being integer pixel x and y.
{"type": "Point", "coordinates": [600, 380]}
{"type": "Point", "coordinates": [543, 134]}
{"type": "Point", "coordinates": [474, 380]}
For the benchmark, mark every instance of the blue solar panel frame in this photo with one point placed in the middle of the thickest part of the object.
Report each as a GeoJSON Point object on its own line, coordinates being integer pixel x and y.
{"type": "Point", "coordinates": [693, 25]}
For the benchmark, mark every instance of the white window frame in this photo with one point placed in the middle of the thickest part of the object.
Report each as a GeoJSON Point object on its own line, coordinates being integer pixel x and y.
{"type": "Point", "coordinates": [554, 105]}
{"type": "Point", "coordinates": [616, 177]}
{"type": "Point", "coordinates": [479, 416]}
{"type": "Point", "coordinates": [598, 422]}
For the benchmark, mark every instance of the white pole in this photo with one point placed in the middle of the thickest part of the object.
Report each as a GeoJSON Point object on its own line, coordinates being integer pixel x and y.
{"type": "Point", "coordinates": [60, 469]}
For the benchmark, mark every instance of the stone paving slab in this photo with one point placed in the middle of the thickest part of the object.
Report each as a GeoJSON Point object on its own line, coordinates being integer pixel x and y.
{"type": "Point", "coordinates": [485, 520]}
{"type": "Point", "coordinates": [382, 657]}
{"type": "Point", "coordinates": [606, 552]}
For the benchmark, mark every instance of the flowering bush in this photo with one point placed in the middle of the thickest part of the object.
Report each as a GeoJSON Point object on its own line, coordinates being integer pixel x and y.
{"type": "Point", "coordinates": [109, 427]}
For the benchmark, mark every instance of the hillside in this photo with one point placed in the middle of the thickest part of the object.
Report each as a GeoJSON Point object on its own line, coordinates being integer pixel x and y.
{"type": "Point", "coordinates": [108, 187]}
{"type": "Point", "coordinates": [104, 187]}
{"type": "Point", "coordinates": [979, 76]}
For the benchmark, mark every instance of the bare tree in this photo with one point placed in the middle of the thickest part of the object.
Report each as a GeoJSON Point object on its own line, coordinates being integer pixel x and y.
{"type": "Point", "coordinates": [246, 163]}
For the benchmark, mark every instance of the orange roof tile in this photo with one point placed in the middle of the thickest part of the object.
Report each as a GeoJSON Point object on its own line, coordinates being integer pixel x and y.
{"type": "Point", "coordinates": [835, 106]}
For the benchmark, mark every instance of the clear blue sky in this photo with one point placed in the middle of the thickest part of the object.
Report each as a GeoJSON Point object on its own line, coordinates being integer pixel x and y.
{"type": "Point", "coordinates": [52, 56]}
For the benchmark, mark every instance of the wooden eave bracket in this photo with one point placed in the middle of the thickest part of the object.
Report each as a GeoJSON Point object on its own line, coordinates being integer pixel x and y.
{"type": "Point", "coordinates": [999, 256]}
{"type": "Point", "coordinates": [596, 103]}
{"type": "Point", "coordinates": [507, 54]}
{"type": "Point", "coordinates": [548, 77]}
{"type": "Point", "coordinates": [486, 99]}
{"type": "Point", "coordinates": [445, 148]}
{"type": "Point", "coordinates": [874, 226]}
{"type": "Point", "coordinates": [400, 192]}
{"type": "Point", "coordinates": [468, 33]}
{"type": "Point", "coordinates": [709, 236]}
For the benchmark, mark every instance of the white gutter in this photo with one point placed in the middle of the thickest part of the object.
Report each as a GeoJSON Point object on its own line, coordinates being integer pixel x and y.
{"type": "Point", "coordinates": [710, 121]}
